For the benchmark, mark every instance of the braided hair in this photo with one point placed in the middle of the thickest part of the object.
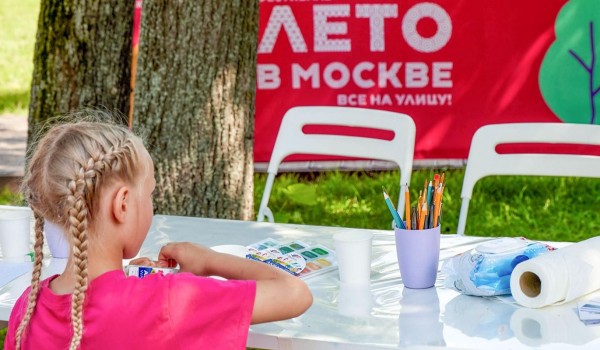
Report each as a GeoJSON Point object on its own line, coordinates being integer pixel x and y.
{"type": "Point", "coordinates": [62, 183]}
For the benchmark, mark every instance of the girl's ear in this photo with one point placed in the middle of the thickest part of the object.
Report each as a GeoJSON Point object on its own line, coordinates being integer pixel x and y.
{"type": "Point", "coordinates": [120, 204]}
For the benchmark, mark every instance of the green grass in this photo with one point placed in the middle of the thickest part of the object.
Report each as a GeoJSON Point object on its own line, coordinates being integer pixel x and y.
{"type": "Point", "coordinates": [9, 198]}
{"type": "Point", "coordinates": [17, 39]}
{"type": "Point", "coordinates": [541, 208]}
{"type": "Point", "coordinates": [2, 336]}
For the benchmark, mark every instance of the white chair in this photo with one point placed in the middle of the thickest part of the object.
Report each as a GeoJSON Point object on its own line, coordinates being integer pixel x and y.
{"type": "Point", "coordinates": [292, 140]}
{"type": "Point", "coordinates": [484, 160]}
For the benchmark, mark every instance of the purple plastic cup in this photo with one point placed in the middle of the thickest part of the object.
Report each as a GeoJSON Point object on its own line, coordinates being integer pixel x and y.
{"type": "Point", "coordinates": [418, 256]}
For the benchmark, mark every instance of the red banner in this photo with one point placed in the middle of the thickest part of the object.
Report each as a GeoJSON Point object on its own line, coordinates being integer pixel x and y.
{"type": "Point", "coordinates": [452, 65]}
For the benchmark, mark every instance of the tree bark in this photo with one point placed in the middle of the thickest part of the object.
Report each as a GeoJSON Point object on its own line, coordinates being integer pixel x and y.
{"type": "Point", "coordinates": [82, 59]}
{"type": "Point", "coordinates": [194, 101]}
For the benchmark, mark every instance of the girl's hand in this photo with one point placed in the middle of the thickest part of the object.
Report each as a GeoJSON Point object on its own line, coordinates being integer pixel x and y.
{"type": "Point", "coordinates": [190, 257]}
{"type": "Point", "coordinates": [145, 262]}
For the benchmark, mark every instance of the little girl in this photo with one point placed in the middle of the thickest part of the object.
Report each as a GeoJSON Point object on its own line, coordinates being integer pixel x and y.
{"type": "Point", "coordinates": [96, 180]}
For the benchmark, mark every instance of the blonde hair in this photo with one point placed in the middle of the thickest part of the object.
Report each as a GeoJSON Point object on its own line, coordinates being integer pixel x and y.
{"type": "Point", "coordinates": [63, 180]}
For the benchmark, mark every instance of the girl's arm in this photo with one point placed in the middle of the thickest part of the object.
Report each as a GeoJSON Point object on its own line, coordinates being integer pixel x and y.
{"type": "Point", "coordinates": [279, 295]}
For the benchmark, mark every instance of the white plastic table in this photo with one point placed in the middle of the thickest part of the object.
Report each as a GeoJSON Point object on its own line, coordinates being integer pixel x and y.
{"type": "Point", "coordinates": [386, 315]}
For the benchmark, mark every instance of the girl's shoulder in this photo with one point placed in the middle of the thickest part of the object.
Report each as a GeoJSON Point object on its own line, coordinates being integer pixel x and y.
{"type": "Point", "coordinates": [19, 310]}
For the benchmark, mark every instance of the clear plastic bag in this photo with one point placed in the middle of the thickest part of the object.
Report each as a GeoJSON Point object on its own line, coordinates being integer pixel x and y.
{"type": "Point", "coordinates": [486, 270]}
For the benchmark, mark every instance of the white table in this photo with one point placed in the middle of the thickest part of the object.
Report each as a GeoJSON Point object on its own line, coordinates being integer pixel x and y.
{"type": "Point", "coordinates": [384, 316]}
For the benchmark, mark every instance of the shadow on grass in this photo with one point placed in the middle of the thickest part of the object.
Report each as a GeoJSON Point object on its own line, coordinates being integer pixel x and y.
{"type": "Point", "coordinates": [11, 101]}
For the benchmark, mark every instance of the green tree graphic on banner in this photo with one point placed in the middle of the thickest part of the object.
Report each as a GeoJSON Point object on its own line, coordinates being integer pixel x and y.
{"type": "Point", "coordinates": [570, 72]}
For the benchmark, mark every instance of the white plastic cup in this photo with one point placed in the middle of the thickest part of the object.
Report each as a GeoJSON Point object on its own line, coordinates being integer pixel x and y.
{"type": "Point", "coordinates": [15, 234]}
{"type": "Point", "coordinates": [57, 240]}
{"type": "Point", "coordinates": [353, 251]}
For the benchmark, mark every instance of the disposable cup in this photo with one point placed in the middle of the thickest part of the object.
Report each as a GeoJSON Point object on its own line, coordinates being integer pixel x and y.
{"type": "Point", "coordinates": [418, 256]}
{"type": "Point", "coordinates": [57, 240]}
{"type": "Point", "coordinates": [353, 250]}
{"type": "Point", "coordinates": [15, 226]}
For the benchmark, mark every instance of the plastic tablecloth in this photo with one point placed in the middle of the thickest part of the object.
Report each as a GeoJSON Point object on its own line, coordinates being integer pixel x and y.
{"type": "Point", "coordinates": [383, 315]}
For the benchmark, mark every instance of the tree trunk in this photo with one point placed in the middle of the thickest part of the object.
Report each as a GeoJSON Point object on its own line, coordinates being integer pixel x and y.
{"type": "Point", "coordinates": [194, 101]}
{"type": "Point", "coordinates": [82, 59]}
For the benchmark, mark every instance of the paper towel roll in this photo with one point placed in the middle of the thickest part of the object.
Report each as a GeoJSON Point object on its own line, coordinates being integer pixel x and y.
{"type": "Point", "coordinates": [558, 276]}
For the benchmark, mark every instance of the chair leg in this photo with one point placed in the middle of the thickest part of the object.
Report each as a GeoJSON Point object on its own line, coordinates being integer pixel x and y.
{"type": "Point", "coordinates": [401, 201]}
{"type": "Point", "coordinates": [263, 210]}
{"type": "Point", "coordinates": [269, 214]}
{"type": "Point", "coordinates": [462, 219]}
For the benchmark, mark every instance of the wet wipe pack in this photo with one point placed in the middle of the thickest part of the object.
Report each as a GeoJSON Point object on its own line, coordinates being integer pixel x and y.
{"type": "Point", "coordinates": [486, 269]}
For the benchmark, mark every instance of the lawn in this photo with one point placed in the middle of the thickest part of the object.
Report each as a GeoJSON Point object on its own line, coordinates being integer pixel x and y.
{"type": "Point", "coordinates": [542, 208]}
{"type": "Point", "coordinates": [2, 336]}
{"type": "Point", "coordinates": [17, 38]}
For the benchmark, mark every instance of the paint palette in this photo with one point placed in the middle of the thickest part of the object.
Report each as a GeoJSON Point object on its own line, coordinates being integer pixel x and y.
{"type": "Point", "coordinates": [296, 257]}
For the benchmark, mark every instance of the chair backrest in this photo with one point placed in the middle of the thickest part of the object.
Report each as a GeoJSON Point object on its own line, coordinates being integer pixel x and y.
{"type": "Point", "coordinates": [484, 160]}
{"type": "Point", "coordinates": [292, 140]}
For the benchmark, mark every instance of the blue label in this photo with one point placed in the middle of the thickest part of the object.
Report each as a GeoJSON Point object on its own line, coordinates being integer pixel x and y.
{"type": "Point", "coordinates": [143, 271]}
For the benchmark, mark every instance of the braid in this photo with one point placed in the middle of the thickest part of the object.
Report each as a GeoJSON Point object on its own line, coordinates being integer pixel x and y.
{"type": "Point", "coordinates": [78, 225]}
{"type": "Point", "coordinates": [35, 277]}
{"type": "Point", "coordinates": [82, 188]}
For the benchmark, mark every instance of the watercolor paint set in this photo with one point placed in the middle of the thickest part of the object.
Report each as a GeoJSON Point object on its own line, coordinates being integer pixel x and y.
{"type": "Point", "coordinates": [296, 257]}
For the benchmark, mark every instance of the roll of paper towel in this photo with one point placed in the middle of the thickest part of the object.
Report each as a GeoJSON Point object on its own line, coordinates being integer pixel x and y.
{"type": "Point", "coordinates": [558, 276]}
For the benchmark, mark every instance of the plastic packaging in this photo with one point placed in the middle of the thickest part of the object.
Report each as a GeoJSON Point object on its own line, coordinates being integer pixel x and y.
{"type": "Point", "coordinates": [486, 270]}
{"type": "Point", "coordinates": [142, 271]}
